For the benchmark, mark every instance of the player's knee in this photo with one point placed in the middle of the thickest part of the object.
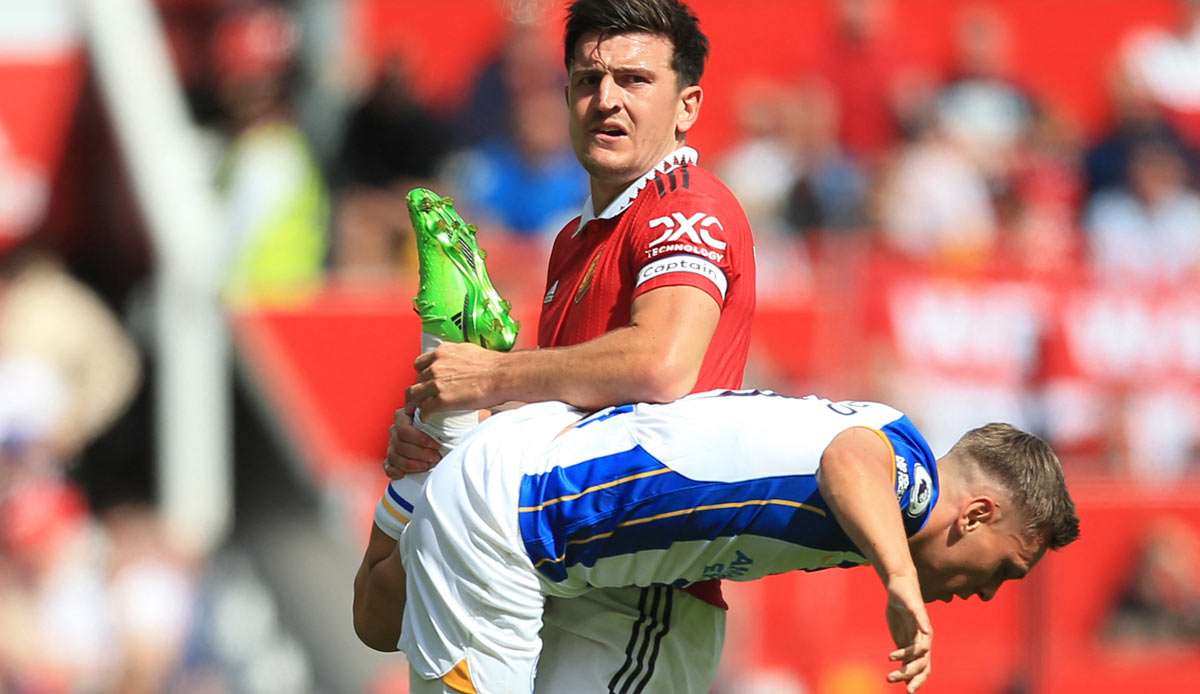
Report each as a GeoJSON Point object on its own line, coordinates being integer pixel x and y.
{"type": "Point", "coordinates": [376, 636]}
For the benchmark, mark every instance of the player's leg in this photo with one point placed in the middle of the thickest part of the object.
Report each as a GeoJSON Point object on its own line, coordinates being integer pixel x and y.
{"type": "Point", "coordinates": [474, 601]}
{"type": "Point", "coordinates": [655, 640]}
{"type": "Point", "coordinates": [455, 300]}
{"type": "Point", "coordinates": [456, 303]}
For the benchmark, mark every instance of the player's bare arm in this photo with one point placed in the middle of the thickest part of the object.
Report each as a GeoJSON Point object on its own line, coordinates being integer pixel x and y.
{"type": "Point", "coordinates": [379, 593]}
{"type": "Point", "coordinates": [856, 481]}
{"type": "Point", "coordinates": [656, 358]}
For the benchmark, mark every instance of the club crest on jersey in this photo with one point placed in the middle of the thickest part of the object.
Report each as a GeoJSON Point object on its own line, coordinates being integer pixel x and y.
{"type": "Point", "coordinates": [922, 491]}
{"type": "Point", "coordinates": [586, 284]}
{"type": "Point", "coordinates": [690, 234]}
{"type": "Point", "coordinates": [901, 477]}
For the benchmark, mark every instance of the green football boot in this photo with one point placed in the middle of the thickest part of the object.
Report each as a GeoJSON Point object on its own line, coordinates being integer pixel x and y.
{"type": "Point", "coordinates": [456, 300]}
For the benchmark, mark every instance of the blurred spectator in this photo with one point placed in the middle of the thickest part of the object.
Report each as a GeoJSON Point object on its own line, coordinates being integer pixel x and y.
{"type": "Point", "coordinates": [935, 202]}
{"type": "Point", "coordinates": [866, 66]}
{"type": "Point", "coordinates": [790, 171]}
{"type": "Point", "coordinates": [88, 607]}
{"type": "Point", "coordinates": [391, 144]}
{"type": "Point", "coordinates": [528, 183]}
{"type": "Point", "coordinates": [762, 166]}
{"type": "Point", "coordinates": [525, 63]}
{"type": "Point", "coordinates": [152, 595]}
{"type": "Point", "coordinates": [1159, 435]}
{"type": "Point", "coordinates": [1148, 228]}
{"type": "Point", "coordinates": [980, 108]}
{"type": "Point", "coordinates": [56, 333]}
{"type": "Point", "coordinates": [274, 191]}
{"type": "Point", "coordinates": [1046, 190]}
{"type": "Point", "coordinates": [829, 192]}
{"type": "Point", "coordinates": [1137, 118]}
{"type": "Point", "coordinates": [390, 136]}
{"type": "Point", "coordinates": [1167, 65]}
{"type": "Point", "coordinates": [57, 635]}
{"type": "Point", "coordinates": [1160, 603]}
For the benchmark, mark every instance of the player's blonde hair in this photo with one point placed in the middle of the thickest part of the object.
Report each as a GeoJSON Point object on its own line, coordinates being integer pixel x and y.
{"type": "Point", "coordinates": [1029, 470]}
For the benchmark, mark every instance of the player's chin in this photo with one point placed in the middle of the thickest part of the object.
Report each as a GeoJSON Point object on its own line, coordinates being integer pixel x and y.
{"type": "Point", "coordinates": [611, 166]}
{"type": "Point", "coordinates": [607, 158]}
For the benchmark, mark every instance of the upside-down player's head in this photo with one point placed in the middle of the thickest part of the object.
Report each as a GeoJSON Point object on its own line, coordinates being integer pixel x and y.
{"type": "Point", "coordinates": [1003, 502]}
{"type": "Point", "coordinates": [634, 69]}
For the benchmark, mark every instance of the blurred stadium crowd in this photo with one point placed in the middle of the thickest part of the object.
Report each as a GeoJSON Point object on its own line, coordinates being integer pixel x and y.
{"type": "Point", "coordinates": [925, 236]}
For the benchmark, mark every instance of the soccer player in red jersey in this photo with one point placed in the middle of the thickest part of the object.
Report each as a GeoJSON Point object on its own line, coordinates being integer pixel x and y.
{"type": "Point", "coordinates": [649, 296]}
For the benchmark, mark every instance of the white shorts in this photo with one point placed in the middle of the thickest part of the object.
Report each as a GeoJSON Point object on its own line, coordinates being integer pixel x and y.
{"type": "Point", "coordinates": [655, 640]}
{"type": "Point", "coordinates": [474, 599]}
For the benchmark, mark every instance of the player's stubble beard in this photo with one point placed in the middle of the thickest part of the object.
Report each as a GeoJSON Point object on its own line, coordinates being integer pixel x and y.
{"type": "Point", "coordinates": [612, 172]}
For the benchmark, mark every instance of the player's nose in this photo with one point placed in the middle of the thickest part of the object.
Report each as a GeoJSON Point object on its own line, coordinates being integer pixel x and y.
{"type": "Point", "coordinates": [607, 94]}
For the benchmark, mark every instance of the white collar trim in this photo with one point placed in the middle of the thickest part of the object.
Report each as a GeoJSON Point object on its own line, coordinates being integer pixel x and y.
{"type": "Point", "coordinates": [683, 155]}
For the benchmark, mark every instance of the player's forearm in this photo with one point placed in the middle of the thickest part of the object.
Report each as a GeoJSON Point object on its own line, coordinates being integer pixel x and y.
{"type": "Point", "coordinates": [862, 500]}
{"type": "Point", "coordinates": [379, 599]}
{"type": "Point", "coordinates": [626, 365]}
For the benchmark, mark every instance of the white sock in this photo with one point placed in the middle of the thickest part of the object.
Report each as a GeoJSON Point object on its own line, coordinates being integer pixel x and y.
{"type": "Point", "coordinates": [449, 427]}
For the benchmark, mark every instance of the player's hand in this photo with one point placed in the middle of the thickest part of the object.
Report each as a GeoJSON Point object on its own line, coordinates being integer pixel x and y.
{"type": "Point", "coordinates": [410, 450]}
{"type": "Point", "coordinates": [911, 631]}
{"type": "Point", "coordinates": [455, 377]}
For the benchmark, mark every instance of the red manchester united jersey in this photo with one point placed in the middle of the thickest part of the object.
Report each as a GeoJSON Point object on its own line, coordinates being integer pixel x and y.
{"type": "Point", "coordinates": [677, 225]}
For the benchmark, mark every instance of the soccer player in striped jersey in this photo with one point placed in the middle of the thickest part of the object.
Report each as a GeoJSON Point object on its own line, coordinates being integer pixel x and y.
{"type": "Point", "coordinates": [546, 501]}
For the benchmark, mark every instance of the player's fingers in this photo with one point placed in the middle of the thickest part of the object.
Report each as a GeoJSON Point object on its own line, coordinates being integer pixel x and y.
{"type": "Point", "coordinates": [405, 432]}
{"type": "Point", "coordinates": [423, 361]}
{"type": "Point", "coordinates": [920, 648]}
{"type": "Point", "coordinates": [416, 395]}
{"type": "Point", "coordinates": [430, 397]}
{"type": "Point", "coordinates": [435, 403]}
{"type": "Point", "coordinates": [909, 670]}
{"type": "Point", "coordinates": [919, 680]}
{"type": "Point", "coordinates": [393, 472]}
{"type": "Point", "coordinates": [396, 467]}
{"type": "Point", "coordinates": [398, 471]}
{"type": "Point", "coordinates": [411, 457]}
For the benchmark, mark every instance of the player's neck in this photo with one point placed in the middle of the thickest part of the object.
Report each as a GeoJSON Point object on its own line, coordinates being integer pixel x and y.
{"type": "Point", "coordinates": [603, 194]}
{"type": "Point", "coordinates": [950, 493]}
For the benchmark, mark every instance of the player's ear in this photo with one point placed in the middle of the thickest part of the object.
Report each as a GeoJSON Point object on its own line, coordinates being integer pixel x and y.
{"type": "Point", "coordinates": [688, 108]}
{"type": "Point", "coordinates": [978, 512]}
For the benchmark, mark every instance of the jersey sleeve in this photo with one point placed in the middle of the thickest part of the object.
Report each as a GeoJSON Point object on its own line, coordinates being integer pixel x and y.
{"type": "Point", "coordinates": [689, 237]}
{"type": "Point", "coordinates": [916, 478]}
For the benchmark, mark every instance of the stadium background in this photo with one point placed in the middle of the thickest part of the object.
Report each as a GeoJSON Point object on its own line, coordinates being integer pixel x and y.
{"type": "Point", "coordinates": [974, 210]}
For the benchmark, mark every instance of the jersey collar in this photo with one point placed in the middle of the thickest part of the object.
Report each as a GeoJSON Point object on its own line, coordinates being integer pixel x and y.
{"type": "Point", "coordinates": [683, 155]}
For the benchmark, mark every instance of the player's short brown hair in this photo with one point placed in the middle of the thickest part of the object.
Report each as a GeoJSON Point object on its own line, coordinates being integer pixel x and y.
{"type": "Point", "coordinates": [669, 18]}
{"type": "Point", "coordinates": [1027, 467]}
